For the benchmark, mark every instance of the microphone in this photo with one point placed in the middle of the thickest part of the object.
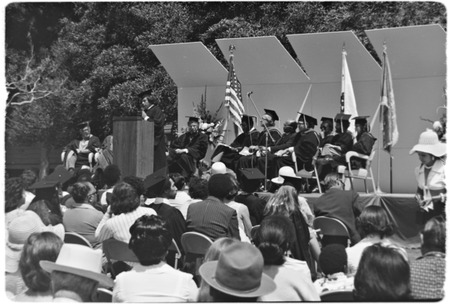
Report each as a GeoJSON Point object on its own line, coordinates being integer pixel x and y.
{"type": "Point", "coordinates": [249, 93]}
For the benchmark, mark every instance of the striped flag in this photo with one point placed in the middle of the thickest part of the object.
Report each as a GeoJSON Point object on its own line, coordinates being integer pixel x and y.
{"type": "Point", "coordinates": [348, 102]}
{"type": "Point", "coordinates": [388, 116]}
{"type": "Point", "coordinates": [233, 97]}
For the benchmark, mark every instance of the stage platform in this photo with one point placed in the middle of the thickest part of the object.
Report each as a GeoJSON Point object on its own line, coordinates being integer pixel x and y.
{"type": "Point", "coordinates": [402, 209]}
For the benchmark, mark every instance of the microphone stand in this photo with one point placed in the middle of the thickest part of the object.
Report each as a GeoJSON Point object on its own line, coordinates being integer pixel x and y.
{"type": "Point", "coordinates": [267, 138]}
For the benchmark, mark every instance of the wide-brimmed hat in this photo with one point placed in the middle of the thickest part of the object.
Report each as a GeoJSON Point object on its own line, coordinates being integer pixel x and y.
{"type": "Point", "coordinates": [81, 261]}
{"type": "Point", "coordinates": [19, 229]}
{"type": "Point", "coordinates": [284, 171]}
{"type": "Point", "coordinates": [429, 143]}
{"type": "Point", "coordinates": [238, 272]}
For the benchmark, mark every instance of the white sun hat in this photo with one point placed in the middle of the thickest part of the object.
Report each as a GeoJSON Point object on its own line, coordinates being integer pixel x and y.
{"type": "Point", "coordinates": [429, 143]}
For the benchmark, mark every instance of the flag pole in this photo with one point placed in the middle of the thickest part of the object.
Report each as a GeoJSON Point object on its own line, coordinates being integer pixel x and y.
{"type": "Point", "coordinates": [304, 101]}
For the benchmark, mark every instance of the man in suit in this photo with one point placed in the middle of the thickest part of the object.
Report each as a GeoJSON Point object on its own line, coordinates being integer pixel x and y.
{"type": "Point", "coordinates": [187, 150]}
{"type": "Point", "coordinates": [153, 113]}
{"type": "Point", "coordinates": [339, 203]}
{"type": "Point", "coordinates": [211, 216]}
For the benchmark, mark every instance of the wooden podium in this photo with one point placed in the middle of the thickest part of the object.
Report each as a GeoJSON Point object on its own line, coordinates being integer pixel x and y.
{"type": "Point", "coordinates": [133, 144]}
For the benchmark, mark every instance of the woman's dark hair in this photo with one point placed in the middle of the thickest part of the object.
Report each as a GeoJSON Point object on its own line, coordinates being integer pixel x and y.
{"type": "Point", "coordinates": [333, 259]}
{"type": "Point", "coordinates": [178, 180]}
{"type": "Point", "coordinates": [14, 197]}
{"type": "Point", "coordinates": [39, 246]}
{"type": "Point", "coordinates": [150, 239]}
{"type": "Point", "coordinates": [45, 210]}
{"type": "Point", "coordinates": [111, 175]}
{"type": "Point", "coordinates": [433, 235]}
{"type": "Point", "coordinates": [383, 275]}
{"type": "Point", "coordinates": [136, 182]}
{"type": "Point", "coordinates": [79, 192]}
{"type": "Point", "coordinates": [124, 199]}
{"type": "Point", "coordinates": [198, 188]}
{"type": "Point", "coordinates": [374, 220]}
{"type": "Point", "coordinates": [84, 287]}
{"type": "Point", "coordinates": [274, 237]}
{"type": "Point", "coordinates": [29, 177]}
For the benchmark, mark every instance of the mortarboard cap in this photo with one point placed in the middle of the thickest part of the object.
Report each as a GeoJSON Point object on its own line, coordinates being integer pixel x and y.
{"type": "Point", "coordinates": [309, 119]}
{"type": "Point", "coordinates": [83, 124]}
{"type": "Point", "coordinates": [44, 184]}
{"type": "Point", "coordinates": [272, 114]}
{"type": "Point", "coordinates": [144, 93]}
{"type": "Point", "coordinates": [360, 119]}
{"type": "Point", "coordinates": [154, 183]}
{"type": "Point", "coordinates": [192, 119]}
{"type": "Point", "coordinates": [328, 119]}
{"type": "Point", "coordinates": [60, 175]}
{"type": "Point", "coordinates": [294, 181]}
{"type": "Point", "coordinates": [252, 174]}
{"type": "Point", "coordinates": [341, 116]}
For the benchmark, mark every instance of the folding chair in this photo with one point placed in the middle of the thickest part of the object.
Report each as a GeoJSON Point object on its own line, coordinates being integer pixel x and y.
{"type": "Point", "coordinates": [195, 246]}
{"type": "Point", "coordinates": [307, 175]}
{"type": "Point", "coordinates": [75, 238]}
{"type": "Point", "coordinates": [361, 173]}
{"type": "Point", "coordinates": [254, 231]}
{"type": "Point", "coordinates": [174, 247]}
{"type": "Point", "coordinates": [116, 250]}
{"type": "Point", "coordinates": [331, 230]}
{"type": "Point", "coordinates": [104, 295]}
{"type": "Point", "coordinates": [337, 296]}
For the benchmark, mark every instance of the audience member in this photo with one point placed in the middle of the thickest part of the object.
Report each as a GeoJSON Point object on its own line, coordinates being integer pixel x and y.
{"type": "Point", "coordinates": [19, 229]}
{"type": "Point", "coordinates": [428, 271]}
{"type": "Point", "coordinates": [250, 183]}
{"type": "Point", "coordinates": [76, 274]}
{"type": "Point", "coordinates": [198, 191]}
{"type": "Point", "coordinates": [138, 184]}
{"type": "Point", "coordinates": [111, 176]}
{"type": "Point", "coordinates": [48, 217]}
{"type": "Point", "coordinates": [182, 196]}
{"type": "Point", "coordinates": [364, 141]}
{"type": "Point", "coordinates": [83, 218]}
{"type": "Point", "coordinates": [374, 226]}
{"type": "Point", "coordinates": [29, 177]}
{"type": "Point", "coordinates": [14, 198]}
{"type": "Point", "coordinates": [285, 202]}
{"type": "Point", "coordinates": [274, 238]}
{"type": "Point", "coordinates": [383, 275]}
{"type": "Point", "coordinates": [340, 204]}
{"type": "Point", "coordinates": [121, 214]}
{"type": "Point", "coordinates": [213, 254]}
{"type": "Point", "coordinates": [152, 280]}
{"type": "Point", "coordinates": [39, 246]}
{"type": "Point", "coordinates": [333, 264]}
{"type": "Point", "coordinates": [211, 216]}
{"type": "Point", "coordinates": [237, 276]}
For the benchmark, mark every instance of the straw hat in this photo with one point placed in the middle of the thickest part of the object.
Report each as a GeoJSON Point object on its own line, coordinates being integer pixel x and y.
{"type": "Point", "coordinates": [79, 260]}
{"type": "Point", "coordinates": [238, 272]}
{"type": "Point", "coordinates": [19, 229]}
{"type": "Point", "coordinates": [429, 143]}
{"type": "Point", "coordinates": [284, 171]}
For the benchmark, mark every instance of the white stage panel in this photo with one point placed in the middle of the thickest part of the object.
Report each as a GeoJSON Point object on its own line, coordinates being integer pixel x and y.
{"type": "Point", "coordinates": [321, 56]}
{"type": "Point", "coordinates": [190, 64]}
{"type": "Point", "coordinates": [413, 51]}
{"type": "Point", "coordinates": [262, 60]}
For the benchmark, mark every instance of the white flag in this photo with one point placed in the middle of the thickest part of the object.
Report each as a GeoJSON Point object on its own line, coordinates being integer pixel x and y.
{"type": "Point", "coordinates": [348, 102]}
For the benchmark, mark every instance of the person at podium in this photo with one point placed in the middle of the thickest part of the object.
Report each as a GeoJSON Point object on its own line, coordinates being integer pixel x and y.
{"type": "Point", "coordinates": [187, 150]}
{"type": "Point", "coordinates": [153, 113]}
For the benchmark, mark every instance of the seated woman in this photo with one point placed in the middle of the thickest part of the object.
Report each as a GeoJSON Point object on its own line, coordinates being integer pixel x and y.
{"type": "Point", "coordinates": [273, 239]}
{"type": "Point", "coordinates": [153, 280]}
{"type": "Point", "coordinates": [374, 226]}
{"type": "Point", "coordinates": [383, 274]}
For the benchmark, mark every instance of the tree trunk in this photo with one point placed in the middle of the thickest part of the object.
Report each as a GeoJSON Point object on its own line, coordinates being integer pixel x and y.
{"type": "Point", "coordinates": [44, 163]}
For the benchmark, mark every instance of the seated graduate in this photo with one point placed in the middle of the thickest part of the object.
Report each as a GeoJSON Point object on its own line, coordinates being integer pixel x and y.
{"type": "Point", "coordinates": [229, 154]}
{"type": "Point", "coordinates": [364, 141]}
{"type": "Point", "coordinates": [305, 146]}
{"type": "Point", "coordinates": [268, 137]}
{"type": "Point", "coordinates": [187, 150]}
{"type": "Point", "coordinates": [76, 153]}
{"type": "Point", "coordinates": [326, 131]}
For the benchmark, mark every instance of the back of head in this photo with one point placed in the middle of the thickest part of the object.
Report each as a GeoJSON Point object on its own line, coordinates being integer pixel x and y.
{"type": "Point", "coordinates": [333, 259]}
{"type": "Point", "coordinates": [124, 199]}
{"type": "Point", "coordinates": [198, 188]}
{"type": "Point", "coordinates": [284, 201]}
{"type": "Point", "coordinates": [39, 246]}
{"type": "Point", "coordinates": [150, 239]}
{"type": "Point", "coordinates": [433, 235]}
{"type": "Point", "coordinates": [136, 182]}
{"type": "Point", "coordinates": [333, 180]}
{"type": "Point", "coordinates": [178, 180]}
{"type": "Point", "coordinates": [111, 175]}
{"type": "Point", "coordinates": [374, 221]}
{"type": "Point", "coordinates": [84, 287]}
{"type": "Point", "coordinates": [221, 186]}
{"type": "Point", "coordinates": [274, 237]}
{"type": "Point", "coordinates": [79, 192]}
{"type": "Point", "coordinates": [383, 275]}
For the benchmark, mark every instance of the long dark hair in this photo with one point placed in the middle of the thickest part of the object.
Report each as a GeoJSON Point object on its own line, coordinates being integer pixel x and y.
{"type": "Point", "coordinates": [374, 221]}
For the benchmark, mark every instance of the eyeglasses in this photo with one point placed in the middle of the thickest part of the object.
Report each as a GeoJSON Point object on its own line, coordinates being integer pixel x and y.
{"type": "Point", "coordinates": [92, 194]}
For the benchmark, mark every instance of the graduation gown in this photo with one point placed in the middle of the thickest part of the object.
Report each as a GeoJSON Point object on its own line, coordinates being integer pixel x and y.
{"type": "Point", "coordinates": [156, 115]}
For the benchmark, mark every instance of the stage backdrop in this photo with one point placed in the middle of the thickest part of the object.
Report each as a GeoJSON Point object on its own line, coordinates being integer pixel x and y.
{"type": "Point", "coordinates": [278, 82]}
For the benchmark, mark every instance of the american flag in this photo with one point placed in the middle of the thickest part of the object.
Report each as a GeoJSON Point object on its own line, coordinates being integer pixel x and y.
{"type": "Point", "coordinates": [233, 97]}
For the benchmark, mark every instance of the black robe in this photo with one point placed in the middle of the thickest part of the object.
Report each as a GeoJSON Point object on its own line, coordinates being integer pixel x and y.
{"type": "Point", "coordinates": [156, 115]}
